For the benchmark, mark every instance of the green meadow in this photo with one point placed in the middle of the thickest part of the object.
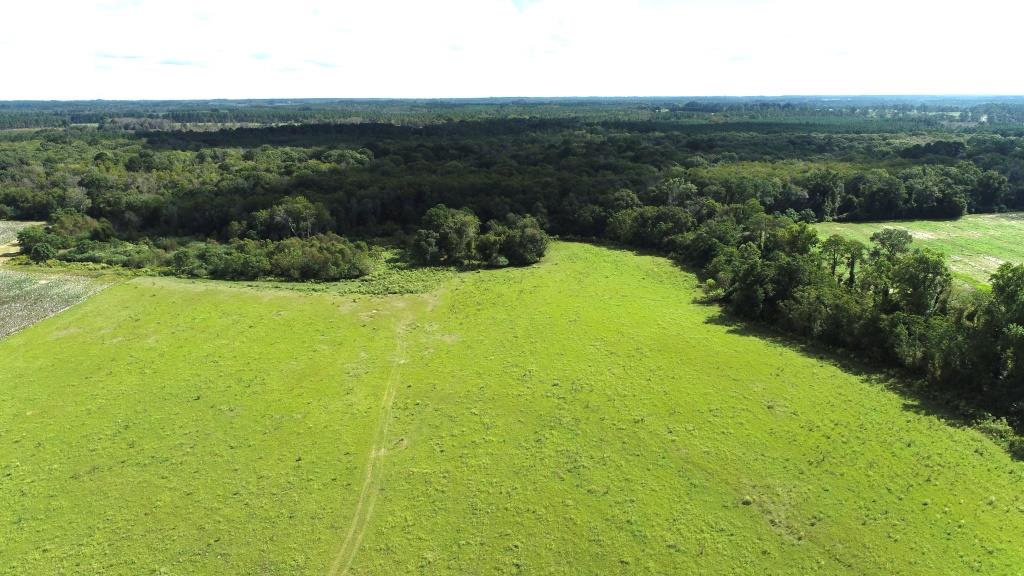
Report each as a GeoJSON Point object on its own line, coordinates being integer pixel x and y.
{"type": "Point", "coordinates": [582, 416]}
{"type": "Point", "coordinates": [975, 244]}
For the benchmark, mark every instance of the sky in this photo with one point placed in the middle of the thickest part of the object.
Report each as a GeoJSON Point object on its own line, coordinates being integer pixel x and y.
{"type": "Point", "coordinates": [185, 49]}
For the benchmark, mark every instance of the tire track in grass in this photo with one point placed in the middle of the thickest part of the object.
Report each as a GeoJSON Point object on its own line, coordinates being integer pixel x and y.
{"type": "Point", "coordinates": [371, 483]}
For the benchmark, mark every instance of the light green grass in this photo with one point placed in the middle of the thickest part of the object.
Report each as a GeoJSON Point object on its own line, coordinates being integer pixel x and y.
{"type": "Point", "coordinates": [583, 416]}
{"type": "Point", "coordinates": [169, 427]}
{"type": "Point", "coordinates": [975, 244]}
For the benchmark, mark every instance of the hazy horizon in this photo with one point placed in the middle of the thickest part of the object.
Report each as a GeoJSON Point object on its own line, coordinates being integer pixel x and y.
{"type": "Point", "coordinates": [709, 97]}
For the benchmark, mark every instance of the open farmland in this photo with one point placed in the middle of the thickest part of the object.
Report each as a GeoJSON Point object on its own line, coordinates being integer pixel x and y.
{"type": "Point", "coordinates": [581, 416]}
{"type": "Point", "coordinates": [975, 244]}
{"type": "Point", "coordinates": [28, 297]}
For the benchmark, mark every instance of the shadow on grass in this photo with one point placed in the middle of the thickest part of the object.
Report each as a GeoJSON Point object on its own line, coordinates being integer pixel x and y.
{"type": "Point", "coordinates": [917, 398]}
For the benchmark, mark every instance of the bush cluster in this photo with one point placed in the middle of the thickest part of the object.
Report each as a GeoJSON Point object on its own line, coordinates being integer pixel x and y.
{"type": "Point", "coordinates": [450, 236]}
{"type": "Point", "coordinates": [321, 257]}
{"type": "Point", "coordinates": [76, 237]}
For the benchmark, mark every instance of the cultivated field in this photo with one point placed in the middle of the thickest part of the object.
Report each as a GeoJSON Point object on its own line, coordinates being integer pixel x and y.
{"type": "Point", "coordinates": [26, 298]}
{"type": "Point", "coordinates": [583, 416]}
{"type": "Point", "coordinates": [976, 244]}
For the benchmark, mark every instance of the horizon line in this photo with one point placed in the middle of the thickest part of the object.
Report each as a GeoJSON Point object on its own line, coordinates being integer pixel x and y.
{"type": "Point", "coordinates": [477, 98]}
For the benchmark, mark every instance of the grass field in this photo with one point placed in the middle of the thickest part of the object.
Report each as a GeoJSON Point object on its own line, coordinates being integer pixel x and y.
{"type": "Point", "coordinates": [976, 244]}
{"type": "Point", "coordinates": [583, 416]}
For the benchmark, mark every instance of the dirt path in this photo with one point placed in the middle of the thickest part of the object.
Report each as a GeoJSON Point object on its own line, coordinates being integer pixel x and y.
{"type": "Point", "coordinates": [8, 251]}
{"type": "Point", "coordinates": [372, 481]}
{"type": "Point", "coordinates": [9, 237]}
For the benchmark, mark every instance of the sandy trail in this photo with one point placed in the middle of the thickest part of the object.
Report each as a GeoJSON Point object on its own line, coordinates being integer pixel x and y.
{"type": "Point", "coordinates": [8, 251]}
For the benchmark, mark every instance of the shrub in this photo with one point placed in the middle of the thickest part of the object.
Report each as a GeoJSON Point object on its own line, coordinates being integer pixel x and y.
{"type": "Point", "coordinates": [42, 252]}
{"type": "Point", "coordinates": [490, 246]}
{"type": "Point", "coordinates": [321, 257]}
{"type": "Point", "coordinates": [448, 236]}
{"type": "Point", "coordinates": [525, 242]}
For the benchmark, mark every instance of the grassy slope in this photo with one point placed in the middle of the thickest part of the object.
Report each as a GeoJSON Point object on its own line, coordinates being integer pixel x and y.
{"type": "Point", "coordinates": [582, 416]}
{"type": "Point", "coordinates": [976, 244]}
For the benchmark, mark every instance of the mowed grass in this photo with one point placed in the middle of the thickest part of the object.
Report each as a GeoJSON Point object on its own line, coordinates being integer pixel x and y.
{"type": "Point", "coordinates": [975, 244]}
{"type": "Point", "coordinates": [583, 416]}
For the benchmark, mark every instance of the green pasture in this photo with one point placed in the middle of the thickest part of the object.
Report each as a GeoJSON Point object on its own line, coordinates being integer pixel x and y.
{"type": "Point", "coordinates": [582, 416]}
{"type": "Point", "coordinates": [975, 245]}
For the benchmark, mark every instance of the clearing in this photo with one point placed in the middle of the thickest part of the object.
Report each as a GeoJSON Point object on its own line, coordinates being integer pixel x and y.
{"type": "Point", "coordinates": [975, 244]}
{"type": "Point", "coordinates": [582, 416]}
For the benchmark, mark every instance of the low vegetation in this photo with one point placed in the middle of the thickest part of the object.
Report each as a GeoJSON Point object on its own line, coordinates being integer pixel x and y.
{"type": "Point", "coordinates": [735, 200]}
{"type": "Point", "coordinates": [195, 427]}
{"type": "Point", "coordinates": [391, 273]}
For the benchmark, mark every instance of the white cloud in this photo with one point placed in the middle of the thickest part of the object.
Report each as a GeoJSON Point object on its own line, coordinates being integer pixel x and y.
{"type": "Point", "coordinates": [62, 49]}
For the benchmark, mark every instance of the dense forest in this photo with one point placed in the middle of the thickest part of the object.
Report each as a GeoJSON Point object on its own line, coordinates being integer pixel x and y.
{"type": "Point", "coordinates": [303, 190]}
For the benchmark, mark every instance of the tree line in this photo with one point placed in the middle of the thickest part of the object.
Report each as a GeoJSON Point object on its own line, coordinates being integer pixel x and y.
{"type": "Point", "coordinates": [887, 301]}
{"type": "Point", "coordinates": [289, 241]}
{"type": "Point", "coordinates": [376, 180]}
{"type": "Point", "coordinates": [933, 113]}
